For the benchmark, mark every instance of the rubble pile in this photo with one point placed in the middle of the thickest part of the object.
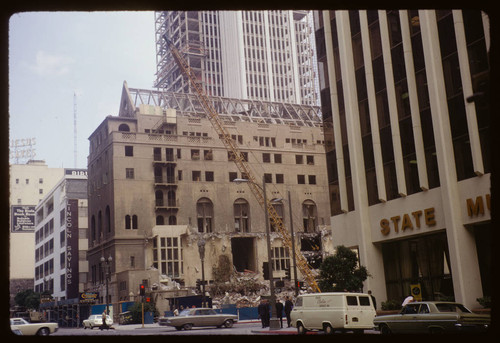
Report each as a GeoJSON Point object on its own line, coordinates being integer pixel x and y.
{"type": "Point", "coordinates": [245, 290]}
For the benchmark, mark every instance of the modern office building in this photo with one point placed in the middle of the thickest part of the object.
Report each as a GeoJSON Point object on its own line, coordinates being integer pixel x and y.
{"type": "Point", "coordinates": [160, 181]}
{"type": "Point", "coordinates": [408, 149]}
{"type": "Point", "coordinates": [256, 55]}
{"type": "Point", "coordinates": [61, 246]}
{"type": "Point", "coordinates": [29, 184]}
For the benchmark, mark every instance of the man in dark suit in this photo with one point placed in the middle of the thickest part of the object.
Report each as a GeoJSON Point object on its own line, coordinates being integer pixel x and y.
{"type": "Point", "coordinates": [288, 309]}
{"type": "Point", "coordinates": [279, 311]}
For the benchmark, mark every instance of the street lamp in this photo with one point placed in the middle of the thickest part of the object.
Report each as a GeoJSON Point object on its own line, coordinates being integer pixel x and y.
{"type": "Point", "coordinates": [201, 250]}
{"type": "Point", "coordinates": [107, 263]}
{"type": "Point", "coordinates": [274, 322]}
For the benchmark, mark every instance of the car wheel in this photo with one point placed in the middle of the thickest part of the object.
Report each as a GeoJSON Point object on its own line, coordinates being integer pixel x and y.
{"type": "Point", "coordinates": [228, 323]}
{"type": "Point", "coordinates": [327, 328]}
{"type": "Point", "coordinates": [43, 332]}
{"type": "Point", "coordinates": [187, 326]}
{"type": "Point", "coordinates": [384, 329]}
{"type": "Point", "coordinates": [301, 330]}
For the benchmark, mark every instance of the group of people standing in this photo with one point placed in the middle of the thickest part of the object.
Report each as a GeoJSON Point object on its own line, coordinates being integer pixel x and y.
{"type": "Point", "coordinates": [264, 309]}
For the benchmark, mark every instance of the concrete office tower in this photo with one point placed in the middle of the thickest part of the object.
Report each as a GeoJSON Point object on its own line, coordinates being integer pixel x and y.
{"type": "Point", "coordinates": [258, 55]}
{"type": "Point", "coordinates": [407, 149]}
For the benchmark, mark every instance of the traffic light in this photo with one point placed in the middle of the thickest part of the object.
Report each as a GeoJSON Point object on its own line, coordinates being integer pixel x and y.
{"type": "Point", "coordinates": [142, 289]}
{"type": "Point", "coordinates": [198, 285]}
{"type": "Point", "coordinates": [265, 270]}
{"type": "Point", "coordinates": [299, 284]}
{"type": "Point", "coordinates": [148, 299]}
{"type": "Point", "coordinates": [287, 273]}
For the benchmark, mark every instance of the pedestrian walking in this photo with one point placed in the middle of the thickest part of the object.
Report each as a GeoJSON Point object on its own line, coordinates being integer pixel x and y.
{"type": "Point", "coordinates": [279, 311]}
{"type": "Point", "coordinates": [288, 310]}
{"type": "Point", "coordinates": [374, 301]}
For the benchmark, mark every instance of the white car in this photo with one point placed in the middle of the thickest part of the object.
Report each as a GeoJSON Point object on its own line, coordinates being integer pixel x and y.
{"type": "Point", "coordinates": [95, 320]}
{"type": "Point", "coordinates": [30, 329]}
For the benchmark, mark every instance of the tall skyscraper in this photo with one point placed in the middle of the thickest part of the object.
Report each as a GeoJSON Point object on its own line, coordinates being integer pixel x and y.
{"type": "Point", "coordinates": [255, 55]}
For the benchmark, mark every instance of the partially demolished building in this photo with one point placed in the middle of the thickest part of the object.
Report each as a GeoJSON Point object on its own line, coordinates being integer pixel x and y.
{"type": "Point", "coordinates": [160, 181]}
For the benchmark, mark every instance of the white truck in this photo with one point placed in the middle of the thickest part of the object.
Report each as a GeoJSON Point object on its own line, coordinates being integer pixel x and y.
{"type": "Point", "coordinates": [334, 311]}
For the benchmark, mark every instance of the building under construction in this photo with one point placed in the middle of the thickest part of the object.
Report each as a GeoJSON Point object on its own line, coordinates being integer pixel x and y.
{"type": "Point", "coordinates": [258, 55]}
{"type": "Point", "coordinates": [160, 181]}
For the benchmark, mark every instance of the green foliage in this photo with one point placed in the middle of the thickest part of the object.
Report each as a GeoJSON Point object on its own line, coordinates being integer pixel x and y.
{"type": "Point", "coordinates": [28, 299]}
{"type": "Point", "coordinates": [136, 310]}
{"type": "Point", "coordinates": [391, 305]}
{"type": "Point", "coordinates": [340, 272]}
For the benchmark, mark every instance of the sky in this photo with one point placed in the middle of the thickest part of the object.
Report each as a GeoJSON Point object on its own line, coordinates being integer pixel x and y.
{"type": "Point", "coordinates": [54, 55]}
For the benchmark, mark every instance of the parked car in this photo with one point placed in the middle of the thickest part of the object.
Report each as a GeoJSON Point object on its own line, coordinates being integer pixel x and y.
{"type": "Point", "coordinates": [331, 311]}
{"type": "Point", "coordinates": [432, 317]}
{"type": "Point", "coordinates": [199, 317]}
{"type": "Point", "coordinates": [31, 329]}
{"type": "Point", "coordinates": [95, 321]}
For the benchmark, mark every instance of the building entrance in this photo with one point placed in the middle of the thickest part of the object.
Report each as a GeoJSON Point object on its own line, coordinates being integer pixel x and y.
{"type": "Point", "coordinates": [422, 262]}
{"type": "Point", "coordinates": [243, 253]}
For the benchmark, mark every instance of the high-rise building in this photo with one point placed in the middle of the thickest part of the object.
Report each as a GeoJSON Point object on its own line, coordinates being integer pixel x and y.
{"type": "Point", "coordinates": [407, 143]}
{"type": "Point", "coordinates": [29, 184]}
{"type": "Point", "coordinates": [256, 55]}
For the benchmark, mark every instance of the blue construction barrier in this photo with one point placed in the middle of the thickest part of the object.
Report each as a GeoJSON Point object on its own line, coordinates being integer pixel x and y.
{"type": "Point", "coordinates": [248, 313]}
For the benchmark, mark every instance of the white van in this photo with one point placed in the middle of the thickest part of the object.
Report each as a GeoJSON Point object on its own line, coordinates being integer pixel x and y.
{"type": "Point", "coordinates": [333, 311]}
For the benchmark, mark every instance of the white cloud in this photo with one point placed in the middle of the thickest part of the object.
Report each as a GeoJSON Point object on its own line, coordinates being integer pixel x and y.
{"type": "Point", "coordinates": [51, 65]}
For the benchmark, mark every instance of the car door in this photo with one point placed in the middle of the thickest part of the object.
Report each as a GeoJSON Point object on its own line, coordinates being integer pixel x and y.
{"type": "Point", "coordinates": [410, 322]}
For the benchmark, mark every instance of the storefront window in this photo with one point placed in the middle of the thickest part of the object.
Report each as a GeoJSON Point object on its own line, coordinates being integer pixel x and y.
{"type": "Point", "coordinates": [420, 261]}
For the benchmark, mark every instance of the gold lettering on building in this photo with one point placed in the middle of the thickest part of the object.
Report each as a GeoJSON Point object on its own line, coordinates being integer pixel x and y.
{"type": "Point", "coordinates": [475, 208]}
{"type": "Point", "coordinates": [408, 222]}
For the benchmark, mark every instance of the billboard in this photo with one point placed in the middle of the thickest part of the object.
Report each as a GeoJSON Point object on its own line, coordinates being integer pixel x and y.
{"type": "Point", "coordinates": [22, 218]}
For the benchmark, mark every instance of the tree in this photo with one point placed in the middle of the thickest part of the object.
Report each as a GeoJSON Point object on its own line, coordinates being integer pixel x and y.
{"type": "Point", "coordinates": [340, 272]}
{"type": "Point", "coordinates": [28, 298]}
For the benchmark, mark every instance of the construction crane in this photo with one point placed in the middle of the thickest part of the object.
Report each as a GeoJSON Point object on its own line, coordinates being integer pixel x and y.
{"type": "Point", "coordinates": [242, 165]}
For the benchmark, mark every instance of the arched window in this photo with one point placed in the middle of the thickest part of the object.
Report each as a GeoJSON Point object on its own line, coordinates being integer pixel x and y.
{"type": "Point", "coordinates": [241, 215]}
{"type": "Point", "coordinates": [99, 225]}
{"type": "Point", "coordinates": [128, 222]}
{"type": "Point", "coordinates": [204, 213]}
{"type": "Point", "coordinates": [92, 229]}
{"type": "Point", "coordinates": [172, 220]}
{"type": "Point", "coordinates": [278, 207]}
{"type": "Point", "coordinates": [159, 198]}
{"type": "Point", "coordinates": [108, 219]}
{"type": "Point", "coordinates": [124, 128]}
{"type": "Point", "coordinates": [309, 215]}
{"type": "Point", "coordinates": [160, 220]}
{"type": "Point", "coordinates": [135, 224]}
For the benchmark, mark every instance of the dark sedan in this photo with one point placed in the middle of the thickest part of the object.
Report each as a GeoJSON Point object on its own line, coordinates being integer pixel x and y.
{"type": "Point", "coordinates": [432, 317]}
{"type": "Point", "coordinates": [199, 317]}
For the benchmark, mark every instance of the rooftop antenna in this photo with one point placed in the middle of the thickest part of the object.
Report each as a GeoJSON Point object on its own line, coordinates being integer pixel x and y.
{"type": "Point", "coordinates": [74, 129]}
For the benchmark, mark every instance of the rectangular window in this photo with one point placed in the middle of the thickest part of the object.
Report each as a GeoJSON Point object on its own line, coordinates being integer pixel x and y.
{"type": "Point", "coordinates": [232, 176]}
{"type": "Point", "coordinates": [195, 154]}
{"type": "Point", "coordinates": [268, 178]}
{"type": "Point", "coordinates": [209, 176]}
{"type": "Point", "coordinates": [301, 179]}
{"type": "Point", "coordinates": [266, 158]}
{"type": "Point", "coordinates": [196, 174]}
{"type": "Point", "coordinates": [312, 179]}
{"type": "Point", "coordinates": [280, 178]}
{"type": "Point", "coordinates": [129, 150]}
{"type": "Point", "coordinates": [129, 173]}
{"type": "Point", "coordinates": [310, 160]}
{"type": "Point", "coordinates": [299, 159]}
{"type": "Point", "coordinates": [277, 158]}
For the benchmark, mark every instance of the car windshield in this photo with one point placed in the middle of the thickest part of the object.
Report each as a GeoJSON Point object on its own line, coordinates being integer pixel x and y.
{"type": "Point", "coordinates": [459, 308]}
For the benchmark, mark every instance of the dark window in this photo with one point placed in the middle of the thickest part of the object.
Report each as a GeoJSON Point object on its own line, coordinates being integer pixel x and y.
{"type": "Point", "coordinates": [129, 150]}
{"type": "Point", "coordinates": [266, 158]}
{"type": "Point", "coordinates": [364, 301]}
{"type": "Point", "coordinates": [352, 300]}
{"type": "Point", "coordinates": [301, 179]}
{"type": "Point", "coordinates": [209, 176]}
